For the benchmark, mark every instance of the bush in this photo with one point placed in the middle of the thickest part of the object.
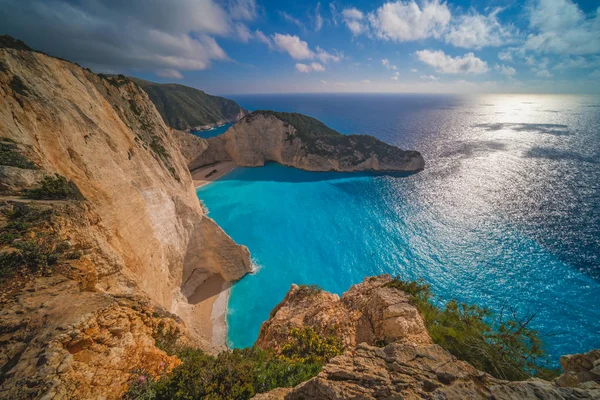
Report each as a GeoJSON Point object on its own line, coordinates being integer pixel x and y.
{"type": "Point", "coordinates": [237, 374]}
{"type": "Point", "coordinates": [241, 373]}
{"type": "Point", "coordinates": [55, 188]}
{"type": "Point", "coordinates": [305, 345]}
{"type": "Point", "coordinates": [10, 156]}
{"type": "Point", "coordinates": [29, 243]}
{"type": "Point", "coordinates": [505, 348]}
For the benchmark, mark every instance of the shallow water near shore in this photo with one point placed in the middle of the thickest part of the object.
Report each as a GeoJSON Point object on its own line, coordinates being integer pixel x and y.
{"type": "Point", "coordinates": [505, 213]}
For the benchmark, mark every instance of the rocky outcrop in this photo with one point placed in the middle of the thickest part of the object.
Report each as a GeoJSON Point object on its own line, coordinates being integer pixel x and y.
{"type": "Point", "coordinates": [368, 313]}
{"type": "Point", "coordinates": [141, 230]}
{"type": "Point", "coordinates": [391, 356]}
{"type": "Point", "coordinates": [265, 136]}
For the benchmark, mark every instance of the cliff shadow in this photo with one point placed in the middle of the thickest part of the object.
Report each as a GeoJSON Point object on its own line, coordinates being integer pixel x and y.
{"type": "Point", "coordinates": [212, 286]}
{"type": "Point", "coordinates": [273, 172]}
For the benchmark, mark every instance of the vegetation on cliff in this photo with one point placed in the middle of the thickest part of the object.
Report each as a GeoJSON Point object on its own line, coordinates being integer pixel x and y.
{"type": "Point", "coordinates": [317, 138]}
{"type": "Point", "coordinates": [183, 107]}
{"type": "Point", "coordinates": [502, 346]}
{"type": "Point", "coordinates": [55, 188]}
{"type": "Point", "coordinates": [12, 157]}
{"type": "Point", "coordinates": [29, 242]}
{"type": "Point", "coordinates": [241, 373]}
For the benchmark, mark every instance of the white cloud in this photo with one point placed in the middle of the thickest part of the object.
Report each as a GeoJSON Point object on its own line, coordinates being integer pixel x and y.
{"type": "Point", "coordinates": [291, 19]}
{"type": "Point", "coordinates": [242, 9]}
{"type": "Point", "coordinates": [355, 20]}
{"type": "Point", "coordinates": [243, 32]}
{"type": "Point", "coordinates": [325, 57]}
{"type": "Point", "coordinates": [366, 81]}
{"type": "Point", "coordinates": [318, 18]}
{"type": "Point", "coordinates": [505, 70]}
{"type": "Point", "coordinates": [430, 77]}
{"type": "Point", "coordinates": [386, 63]}
{"type": "Point", "coordinates": [404, 21]}
{"type": "Point", "coordinates": [299, 49]}
{"type": "Point", "coordinates": [475, 31]}
{"type": "Point", "coordinates": [296, 48]}
{"type": "Point", "coordinates": [467, 64]}
{"type": "Point", "coordinates": [542, 73]}
{"type": "Point", "coordinates": [595, 74]}
{"type": "Point", "coordinates": [414, 70]}
{"type": "Point", "coordinates": [334, 13]}
{"type": "Point", "coordinates": [562, 28]}
{"type": "Point", "coordinates": [263, 38]}
{"type": "Point", "coordinates": [506, 56]}
{"type": "Point", "coordinates": [159, 36]}
{"type": "Point", "coordinates": [313, 67]}
{"type": "Point", "coordinates": [169, 73]}
{"type": "Point", "coordinates": [578, 63]}
{"type": "Point", "coordinates": [396, 76]}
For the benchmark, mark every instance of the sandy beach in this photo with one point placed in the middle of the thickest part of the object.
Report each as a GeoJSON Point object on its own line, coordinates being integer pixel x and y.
{"type": "Point", "coordinates": [210, 173]}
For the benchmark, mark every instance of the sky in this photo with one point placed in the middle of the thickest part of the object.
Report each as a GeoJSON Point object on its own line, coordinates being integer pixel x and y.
{"type": "Point", "coordinates": [270, 46]}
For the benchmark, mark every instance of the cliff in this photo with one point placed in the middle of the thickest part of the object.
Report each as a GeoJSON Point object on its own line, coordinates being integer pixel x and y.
{"type": "Point", "coordinates": [185, 108]}
{"type": "Point", "coordinates": [389, 353]}
{"type": "Point", "coordinates": [90, 272]}
{"type": "Point", "coordinates": [302, 142]}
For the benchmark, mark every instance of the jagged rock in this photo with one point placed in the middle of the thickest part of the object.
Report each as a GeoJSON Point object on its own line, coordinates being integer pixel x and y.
{"type": "Point", "coordinates": [369, 312]}
{"type": "Point", "coordinates": [262, 136]}
{"type": "Point", "coordinates": [410, 367]}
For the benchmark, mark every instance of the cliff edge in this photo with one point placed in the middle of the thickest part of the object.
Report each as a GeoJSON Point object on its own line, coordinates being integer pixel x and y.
{"type": "Point", "coordinates": [303, 142]}
{"type": "Point", "coordinates": [103, 235]}
{"type": "Point", "coordinates": [390, 354]}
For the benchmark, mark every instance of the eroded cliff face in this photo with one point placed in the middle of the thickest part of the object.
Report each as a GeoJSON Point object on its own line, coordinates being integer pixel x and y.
{"type": "Point", "coordinates": [390, 354]}
{"type": "Point", "coordinates": [141, 230]}
{"type": "Point", "coordinates": [261, 137]}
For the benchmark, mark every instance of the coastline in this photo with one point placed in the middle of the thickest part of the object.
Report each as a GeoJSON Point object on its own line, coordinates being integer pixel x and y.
{"type": "Point", "coordinates": [210, 173]}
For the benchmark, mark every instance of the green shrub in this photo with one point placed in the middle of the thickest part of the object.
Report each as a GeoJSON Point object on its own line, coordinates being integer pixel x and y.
{"type": "Point", "coordinates": [505, 348]}
{"type": "Point", "coordinates": [55, 188]}
{"type": "Point", "coordinates": [305, 345]}
{"type": "Point", "coordinates": [237, 374]}
{"type": "Point", "coordinates": [10, 156]}
{"type": "Point", "coordinates": [29, 243]}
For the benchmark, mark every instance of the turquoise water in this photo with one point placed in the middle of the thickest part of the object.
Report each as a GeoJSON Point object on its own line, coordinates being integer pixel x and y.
{"type": "Point", "coordinates": [506, 211]}
{"type": "Point", "coordinates": [216, 131]}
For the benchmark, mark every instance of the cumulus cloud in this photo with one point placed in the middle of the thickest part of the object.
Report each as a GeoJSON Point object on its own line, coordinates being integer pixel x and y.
{"type": "Point", "coordinates": [542, 73]}
{"type": "Point", "coordinates": [578, 63]}
{"type": "Point", "coordinates": [404, 21]}
{"type": "Point", "coordinates": [298, 49]}
{"type": "Point", "coordinates": [386, 63]}
{"type": "Point", "coordinates": [355, 20]}
{"type": "Point", "coordinates": [505, 70]}
{"type": "Point", "coordinates": [142, 34]}
{"type": "Point", "coordinates": [429, 77]}
{"type": "Point", "coordinates": [396, 76]}
{"type": "Point", "coordinates": [506, 56]}
{"type": "Point", "coordinates": [312, 67]}
{"type": "Point", "coordinates": [475, 31]}
{"type": "Point", "coordinates": [467, 64]}
{"type": "Point", "coordinates": [169, 73]}
{"type": "Point", "coordinates": [563, 28]}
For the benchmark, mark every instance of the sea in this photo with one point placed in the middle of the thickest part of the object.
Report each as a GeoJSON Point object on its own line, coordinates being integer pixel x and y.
{"type": "Point", "coordinates": [506, 214]}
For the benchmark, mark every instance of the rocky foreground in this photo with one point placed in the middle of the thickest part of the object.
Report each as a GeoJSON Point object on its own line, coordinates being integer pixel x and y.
{"type": "Point", "coordinates": [391, 355]}
{"type": "Point", "coordinates": [302, 142]}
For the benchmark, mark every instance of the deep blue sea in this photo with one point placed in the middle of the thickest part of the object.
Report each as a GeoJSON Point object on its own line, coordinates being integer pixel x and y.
{"type": "Point", "coordinates": [506, 212]}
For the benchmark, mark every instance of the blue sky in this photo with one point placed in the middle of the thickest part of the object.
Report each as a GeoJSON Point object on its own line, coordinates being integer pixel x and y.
{"type": "Point", "coordinates": [265, 46]}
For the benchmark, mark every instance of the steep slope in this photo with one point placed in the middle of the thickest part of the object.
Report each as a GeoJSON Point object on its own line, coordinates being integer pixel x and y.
{"type": "Point", "coordinates": [143, 244]}
{"type": "Point", "coordinates": [391, 356]}
{"type": "Point", "coordinates": [186, 108]}
{"type": "Point", "coordinates": [303, 142]}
